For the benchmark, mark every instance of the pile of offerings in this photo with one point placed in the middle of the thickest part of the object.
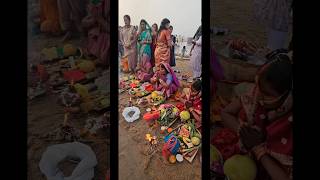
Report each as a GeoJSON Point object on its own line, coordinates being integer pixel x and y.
{"type": "Point", "coordinates": [157, 98]}
{"type": "Point", "coordinates": [183, 142]}
{"type": "Point", "coordinates": [138, 90]}
{"type": "Point", "coordinates": [168, 114]}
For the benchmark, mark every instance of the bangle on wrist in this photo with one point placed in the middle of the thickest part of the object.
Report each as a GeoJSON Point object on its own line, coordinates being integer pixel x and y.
{"type": "Point", "coordinates": [259, 151]}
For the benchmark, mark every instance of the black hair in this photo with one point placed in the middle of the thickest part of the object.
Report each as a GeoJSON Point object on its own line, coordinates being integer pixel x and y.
{"type": "Point", "coordinates": [156, 25]}
{"type": "Point", "coordinates": [143, 21]}
{"type": "Point", "coordinates": [127, 16]}
{"type": "Point", "coordinates": [196, 85]}
{"type": "Point", "coordinates": [170, 27]}
{"type": "Point", "coordinates": [278, 73]}
{"type": "Point", "coordinates": [198, 33]}
{"type": "Point", "coordinates": [163, 25]}
{"type": "Point", "coordinates": [163, 66]}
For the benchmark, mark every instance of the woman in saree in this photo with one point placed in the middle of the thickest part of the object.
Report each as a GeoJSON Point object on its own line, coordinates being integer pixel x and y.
{"type": "Point", "coordinates": [195, 59]}
{"type": "Point", "coordinates": [165, 80]}
{"type": "Point", "coordinates": [172, 53]}
{"type": "Point", "coordinates": [71, 13]}
{"type": "Point", "coordinates": [49, 17]}
{"type": "Point", "coordinates": [263, 119]}
{"type": "Point", "coordinates": [97, 26]}
{"type": "Point", "coordinates": [144, 52]}
{"type": "Point", "coordinates": [128, 39]}
{"type": "Point", "coordinates": [154, 42]}
{"type": "Point", "coordinates": [164, 43]}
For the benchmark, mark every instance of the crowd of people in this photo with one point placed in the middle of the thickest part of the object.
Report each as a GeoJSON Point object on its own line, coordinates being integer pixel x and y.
{"type": "Point", "coordinates": [78, 18]}
{"type": "Point", "coordinates": [148, 48]}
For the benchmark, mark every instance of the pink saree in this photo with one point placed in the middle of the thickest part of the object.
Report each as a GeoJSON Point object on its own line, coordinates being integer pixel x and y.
{"type": "Point", "coordinates": [174, 84]}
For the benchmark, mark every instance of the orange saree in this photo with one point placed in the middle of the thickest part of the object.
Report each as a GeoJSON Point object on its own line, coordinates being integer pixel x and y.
{"type": "Point", "coordinates": [162, 51]}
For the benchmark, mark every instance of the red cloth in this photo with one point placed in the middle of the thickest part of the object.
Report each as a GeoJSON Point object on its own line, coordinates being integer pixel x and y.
{"type": "Point", "coordinates": [226, 141]}
{"type": "Point", "coordinates": [75, 75]}
{"type": "Point", "coordinates": [276, 130]}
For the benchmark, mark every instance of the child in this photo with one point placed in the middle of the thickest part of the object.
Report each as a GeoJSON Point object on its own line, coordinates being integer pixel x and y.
{"type": "Point", "coordinates": [191, 97]}
{"type": "Point", "coordinates": [165, 80]}
{"type": "Point", "coordinates": [183, 51]}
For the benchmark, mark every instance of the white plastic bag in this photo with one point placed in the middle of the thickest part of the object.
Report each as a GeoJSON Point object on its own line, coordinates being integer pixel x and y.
{"type": "Point", "coordinates": [132, 118]}
{"type": "Point", "coordinates": [56, 153]}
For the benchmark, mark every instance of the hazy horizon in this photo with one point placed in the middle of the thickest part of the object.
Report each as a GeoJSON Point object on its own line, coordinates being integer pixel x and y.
{"type": "Point", "coordinates": [184, 15]}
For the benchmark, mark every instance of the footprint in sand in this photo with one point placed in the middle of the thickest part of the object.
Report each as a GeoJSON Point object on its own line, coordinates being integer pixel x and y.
{"type": "Point", "coordinates": [122, 155]}
{"type": "Point", "coordinates": [136, 138]}
{"type": "Point", "coordinates": [133, 130]}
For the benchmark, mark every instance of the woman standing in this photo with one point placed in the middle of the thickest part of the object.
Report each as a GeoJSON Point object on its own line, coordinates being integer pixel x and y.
{"type": "Point", "coordinates": [196, 58]}
{"type": "Point", "coordinates": [275, 15]}
{"type": "Point", "coordinates": [154, 42]}
{"type": "Point", "coordinates": [96, 24]}
{"type": "Point", "coordinates": [144, 52]}
{"type": "Point", "coordinates": [71, 13]}
{"type": "Point", "coordinates": [172, 56]}
{"type": "Point", "coordinates": [49, 16]}
{"type": "Point", "coordinates": [162, 52]}
{"type": "Point", "coordinates": [128, 39]}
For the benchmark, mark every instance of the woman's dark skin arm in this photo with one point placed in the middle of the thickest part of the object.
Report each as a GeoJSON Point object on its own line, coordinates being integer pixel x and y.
{"type": "Point", "coordinates": [230, 113]}
{"type": "Point", "coordinates": [273, 168]}
{"type": "Point", "coordinates": [252, 137]}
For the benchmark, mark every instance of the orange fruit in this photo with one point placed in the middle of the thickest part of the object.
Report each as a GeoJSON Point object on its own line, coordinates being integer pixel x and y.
{"type": "Point", "coordinates": [172, 159]}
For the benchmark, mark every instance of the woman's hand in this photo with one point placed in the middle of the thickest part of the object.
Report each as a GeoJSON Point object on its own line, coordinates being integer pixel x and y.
{"type": "Point", "coordinates": [251, 137]}
{"type": "Point", "coordinates": [188, 104]}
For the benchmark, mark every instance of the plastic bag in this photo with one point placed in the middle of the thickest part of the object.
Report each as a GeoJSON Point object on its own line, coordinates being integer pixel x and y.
{"type": "Point", "coordinates": [56, 153]}
{"type": "Point", "coordinates": [132, 118]}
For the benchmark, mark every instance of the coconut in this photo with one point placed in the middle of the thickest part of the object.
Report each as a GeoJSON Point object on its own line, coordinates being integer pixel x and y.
{"type": "Point", "coordinates": [240, 167]}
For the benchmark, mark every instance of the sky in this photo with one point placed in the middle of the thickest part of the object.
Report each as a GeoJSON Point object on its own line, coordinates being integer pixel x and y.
{"type": "Point", "coordinates": [184, 15]}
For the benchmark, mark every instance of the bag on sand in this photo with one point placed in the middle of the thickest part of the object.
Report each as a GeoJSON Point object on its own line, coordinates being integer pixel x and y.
{"type": "Point", "coordinates": [171, 146]}
{"type": "Point", "coordinates": [56, 153]}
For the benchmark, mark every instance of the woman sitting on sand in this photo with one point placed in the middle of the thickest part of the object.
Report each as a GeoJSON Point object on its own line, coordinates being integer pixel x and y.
{"type": "Point", "coordinates": [144, 52]}
{"type": "Point", "coordinates": [191, 98]}
{"type": "Point", "coordinates": [96, 24]}
{"type": "Point", "coordinates": [164, 43]}
{"type": "Point", "coordinates": [165, 80]}
{"type": "Point", "coordinates": [263, 119]}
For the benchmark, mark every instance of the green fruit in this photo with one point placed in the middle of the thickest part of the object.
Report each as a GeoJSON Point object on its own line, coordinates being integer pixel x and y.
{"type": "Point", "coordinates": [195, 141]}
{"type": "Point", "coordinates": [195, 134]}
{"type": "Point", "coordinates": [240, 167]}
{"type": "Point", "coordinates": [185, 115]}
{"type": "Point", "coordinates": [214, 154]}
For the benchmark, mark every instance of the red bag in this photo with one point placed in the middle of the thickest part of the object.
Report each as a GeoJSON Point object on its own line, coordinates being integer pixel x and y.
{"type": "Point", "coordinates": [75, 75]}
